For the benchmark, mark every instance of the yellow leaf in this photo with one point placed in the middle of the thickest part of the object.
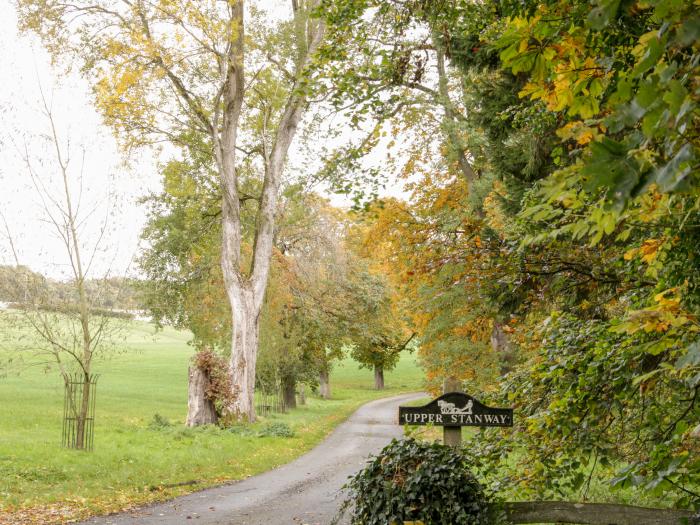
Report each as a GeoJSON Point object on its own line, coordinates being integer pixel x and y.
{"type": "Point", "coordinates": [650, 249]}
{"type": "Point", "coordinates": [585, 137]}
{"type": "Point", "coordinates": [630, 254]}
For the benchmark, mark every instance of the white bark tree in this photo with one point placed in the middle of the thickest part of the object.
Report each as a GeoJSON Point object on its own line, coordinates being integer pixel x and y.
{"type": "Point", "coordinates": [164, 69]}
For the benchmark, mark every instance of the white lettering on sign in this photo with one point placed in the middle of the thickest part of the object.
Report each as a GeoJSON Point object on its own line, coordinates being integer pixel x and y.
{"type": "Point", "coordinates": [456, 419]}
{"type": "Point", "coordinates": [456, 410]}
{"type": "Point", "coordinates": [426, 418]}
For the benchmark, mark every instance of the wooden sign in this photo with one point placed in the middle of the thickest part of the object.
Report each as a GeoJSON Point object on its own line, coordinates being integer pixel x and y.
{"type": "Point", "coordinates": [456, 409]}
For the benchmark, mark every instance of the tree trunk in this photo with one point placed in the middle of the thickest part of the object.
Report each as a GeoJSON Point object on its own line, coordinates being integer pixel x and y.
{"type": "Point", "coordinates": [244, 348]}
{"type": "Point", "coordinates": [450, 124]}
{"type": "Point", "coordinates": [246, 291]}
{"type": "Point", "coordinates": [502, 347]}
{"type": "Point", "coordinates": [324, 383]}
{"type": "Point", "coordinates": [302, 394]}
{"type": "Point", "coordinates": [82, 416]}
{"type": "Point", "coordinates": [592, 514]}
{"type": "Point", "coordinates": [378, 377]}
{"type": "Point", "coordinates": [289, 386]}
{"type": "Point", "coordinates": [200, 410]}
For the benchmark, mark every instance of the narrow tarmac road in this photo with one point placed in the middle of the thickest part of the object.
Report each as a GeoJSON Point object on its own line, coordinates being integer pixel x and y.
{"type": "Point", "coordinates": [306, 491]}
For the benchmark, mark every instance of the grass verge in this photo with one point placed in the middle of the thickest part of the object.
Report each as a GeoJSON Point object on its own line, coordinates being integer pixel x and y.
{"type": "Point", "coordinates": [136, 462]}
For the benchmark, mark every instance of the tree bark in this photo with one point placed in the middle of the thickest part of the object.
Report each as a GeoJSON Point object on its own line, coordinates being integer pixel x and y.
{"type": "Point", "coordinates": [289, 387]}
{"type": "Point", "coordinates": [82, 417]}
{"type": "Point", "coordinates": [302, 394]}
{"type": "Point", "coordinates": [502, 347]}
{"type": "Point", "coordinates": [324, 383]}
{"type": "Point", "coordinates": [450, 122]}
{"type": "Point", "coordinates": [244, 347]}
{"type": "Point", "coordinates": [592, 514]}
{"type": "Point", "coordinates": [378, 377]}
{"type": "Point", "coordinates": [200, 410]}
{"type": "Point", "coordinates": [246, 291]}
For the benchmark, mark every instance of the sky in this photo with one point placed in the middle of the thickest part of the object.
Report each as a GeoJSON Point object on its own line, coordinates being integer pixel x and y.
{"type": "Point", "coordinates": [110, 189]}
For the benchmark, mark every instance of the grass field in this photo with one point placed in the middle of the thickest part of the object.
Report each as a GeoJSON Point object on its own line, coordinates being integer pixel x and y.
{"type": "Point", "coordinates": [133, 463]}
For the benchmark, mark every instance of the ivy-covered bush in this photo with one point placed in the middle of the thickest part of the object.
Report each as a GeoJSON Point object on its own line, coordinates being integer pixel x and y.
{"type": "Point", "coordinates": [215, 367]}
{"type": "Point", "coordinates": [412, 480]}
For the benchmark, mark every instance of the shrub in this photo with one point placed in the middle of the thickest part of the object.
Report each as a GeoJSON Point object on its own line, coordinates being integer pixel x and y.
{"type": "Point", "coordinates": [159, 422]}
{"type": "Point", "coordinates": [416, 481]}
{"type": "Point", "coordinates": [276, 430]}
{"type": "Point", "coordinates": [219, 390]}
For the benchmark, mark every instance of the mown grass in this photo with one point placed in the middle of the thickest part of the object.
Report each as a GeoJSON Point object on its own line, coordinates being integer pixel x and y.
{"type": "Point", "coordinates": [133, 462]}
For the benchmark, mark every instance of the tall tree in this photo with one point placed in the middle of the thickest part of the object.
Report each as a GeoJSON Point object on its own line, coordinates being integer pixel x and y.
{"type": "Point", "coordinates": [162, 70]}
{"type": "Point", "coordinates": [575, 237]}
{"type": "Point", "coordinates": [310, 306]}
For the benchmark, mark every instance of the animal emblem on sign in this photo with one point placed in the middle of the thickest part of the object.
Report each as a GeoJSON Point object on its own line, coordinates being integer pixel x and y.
{"type": "Point", "coordinates": [450, 408]}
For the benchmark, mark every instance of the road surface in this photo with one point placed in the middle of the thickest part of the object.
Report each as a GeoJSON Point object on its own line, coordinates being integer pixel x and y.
{"type": "Point", "coordinates": [306, 491]}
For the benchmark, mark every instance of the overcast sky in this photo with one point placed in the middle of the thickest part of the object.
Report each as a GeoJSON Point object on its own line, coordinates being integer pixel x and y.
{"type": "Point", "coordinates": [110, 191]}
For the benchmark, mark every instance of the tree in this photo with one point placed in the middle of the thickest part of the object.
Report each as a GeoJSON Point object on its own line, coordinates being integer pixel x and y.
{"type": "Point", "coordinates": [16, 281]}
{"type": "Point", "coordinates": [166, 70]}
{"type": "Point", "coordinates": [574, 239]}
{"type": "Point", "coordinates": [379, 353]}
{"type": "Point", "coordinates": [378, 334]}
{"type": "Point", "coordinates": [387, 72]}
{"type": "Point", "coordinates": [309, 308]}
{"type": "Point", "coordinates": [67, 330]}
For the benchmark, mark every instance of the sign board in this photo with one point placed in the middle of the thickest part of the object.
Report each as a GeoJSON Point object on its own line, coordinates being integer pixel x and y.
{"type": "Point", "coordinates": [456, 409]}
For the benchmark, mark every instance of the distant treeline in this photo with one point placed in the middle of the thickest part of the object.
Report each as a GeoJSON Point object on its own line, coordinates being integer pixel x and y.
{"type": "Point", "coordinates": [73, 309]}
{"type": "Point", "coordinates": [113, 296]}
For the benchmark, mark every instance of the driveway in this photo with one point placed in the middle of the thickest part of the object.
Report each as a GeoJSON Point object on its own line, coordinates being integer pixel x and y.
{"type": "Point", "coordinates": [305, 491]}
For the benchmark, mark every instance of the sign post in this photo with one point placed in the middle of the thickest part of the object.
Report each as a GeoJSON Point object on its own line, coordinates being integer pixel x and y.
{"type": "Point", "coordinates": [451, 436]}
{"type": "Point", "coordinates": [455, 410]}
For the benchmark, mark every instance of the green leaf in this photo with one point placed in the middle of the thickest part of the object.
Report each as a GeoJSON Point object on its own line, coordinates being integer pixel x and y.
{"type": "Point", "coordinates": [646, 377]}
{"type": "Point", "coordinates": [653, 122]}
{"type": "Point", "coordinates": [691, 356]}
{"type": "Point", "coordinates": [647, 94]}
{"type": "Point", "coordinates": [670, 176]}
{"type": "Point", "coordinates": [675, 96]}
{"type": "Point", "coordinates": [650, 58]}
{"type": "Point", "coordinates": [689, 32]}
{"type": "Point", "coordinates": [602, 15]}
{"type": "Point", "coordinates": [610, 167]}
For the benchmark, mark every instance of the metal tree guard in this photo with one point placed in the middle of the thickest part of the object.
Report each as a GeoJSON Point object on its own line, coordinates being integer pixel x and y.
{"type": "Point", "coordinates": [79, 394]}
{"type": "Point", "coordinates": [269, 397]}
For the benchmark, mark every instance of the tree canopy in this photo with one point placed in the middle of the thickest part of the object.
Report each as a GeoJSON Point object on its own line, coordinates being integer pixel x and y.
{"type": "Point", "coordinates": [548, 246]}
{"type": "Point", "coordinates": [545, 251]}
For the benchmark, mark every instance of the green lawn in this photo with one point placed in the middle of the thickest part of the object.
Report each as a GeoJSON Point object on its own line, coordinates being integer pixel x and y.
{"type": "Point", "coordinates": [40, 482]}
